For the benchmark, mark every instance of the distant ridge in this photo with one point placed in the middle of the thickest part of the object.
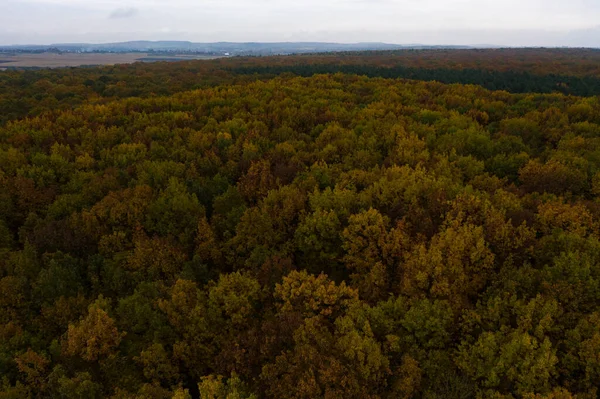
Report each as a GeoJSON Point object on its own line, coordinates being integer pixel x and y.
{"type": "Point", "coordinates": [221, 48]}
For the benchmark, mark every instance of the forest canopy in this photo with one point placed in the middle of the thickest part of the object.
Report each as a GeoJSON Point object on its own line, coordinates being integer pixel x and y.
{"type": "Point", "coordinates": [220, 234]}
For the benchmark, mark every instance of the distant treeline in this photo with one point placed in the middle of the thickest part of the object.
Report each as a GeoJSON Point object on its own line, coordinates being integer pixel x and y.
{"type": "Point", "coordinates": [27, 93]}
{"type": "Point", "coordinates": [514, 82]}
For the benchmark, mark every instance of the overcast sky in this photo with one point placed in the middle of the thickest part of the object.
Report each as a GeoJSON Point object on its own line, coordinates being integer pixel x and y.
{"type": "Point", "coordinates": [501, 22]}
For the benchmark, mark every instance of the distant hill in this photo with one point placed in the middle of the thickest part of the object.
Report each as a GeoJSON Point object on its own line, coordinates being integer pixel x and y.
{"type": "Point", "coordinates": [250, 48]}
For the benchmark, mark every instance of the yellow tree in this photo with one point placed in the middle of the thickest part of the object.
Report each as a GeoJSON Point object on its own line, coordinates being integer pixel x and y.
{"type": "Point", "coordinates": [95, 336]}
{"type": "Point", "coordinates": [456, 265]}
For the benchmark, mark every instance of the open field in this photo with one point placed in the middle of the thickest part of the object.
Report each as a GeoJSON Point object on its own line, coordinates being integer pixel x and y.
{"type": "Point", "coordinates": [54, 60]}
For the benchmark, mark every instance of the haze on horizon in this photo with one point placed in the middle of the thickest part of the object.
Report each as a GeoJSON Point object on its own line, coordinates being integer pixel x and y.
{"type": "Point", "coordinates": [573, 23]}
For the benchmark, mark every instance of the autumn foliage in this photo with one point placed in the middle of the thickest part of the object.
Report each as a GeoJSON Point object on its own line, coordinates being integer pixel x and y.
{"type": "Point", "coordinates": [331, 236]}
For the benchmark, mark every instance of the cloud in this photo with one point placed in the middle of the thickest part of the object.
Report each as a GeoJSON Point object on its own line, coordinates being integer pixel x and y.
{"type": "Point", "coordinates": [536, 22]}
{"type": "Point", "coordinates": [123, 13]}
